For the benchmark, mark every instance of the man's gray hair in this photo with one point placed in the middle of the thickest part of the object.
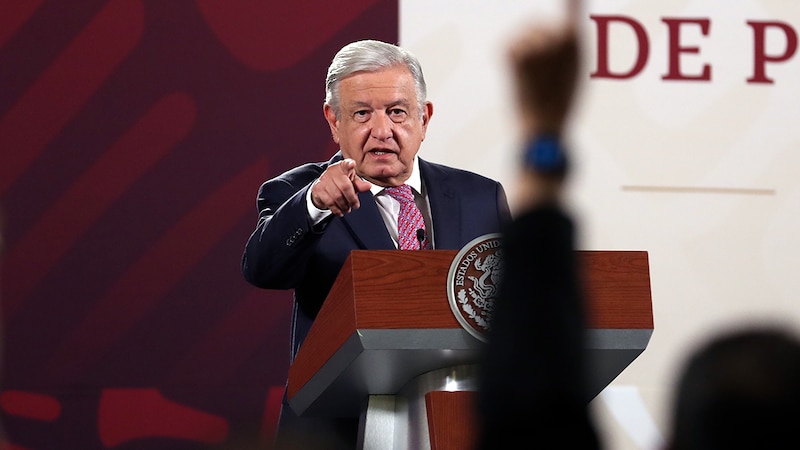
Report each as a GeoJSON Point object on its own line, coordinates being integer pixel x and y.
{"type": "Point", "coordinates": [371, 56]}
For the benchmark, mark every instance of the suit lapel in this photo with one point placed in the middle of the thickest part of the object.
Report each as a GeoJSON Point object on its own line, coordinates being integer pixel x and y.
{"type": "Point", "coordinates": [369, 230]}
{"type": "Point", "coordinates": [445, 207]}
{"type": "Point", "coordinates": [367, 226]}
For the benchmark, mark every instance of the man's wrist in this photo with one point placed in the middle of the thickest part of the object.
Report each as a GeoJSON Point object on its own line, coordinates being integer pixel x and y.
{"type": "Point", "coordinates": [316, 215]}
{"type": "Point", "coordinates": [545, 153]}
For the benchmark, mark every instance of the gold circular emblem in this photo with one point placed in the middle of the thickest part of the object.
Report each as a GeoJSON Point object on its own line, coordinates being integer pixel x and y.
{"type": "Point", "coordinates": [472, 283]}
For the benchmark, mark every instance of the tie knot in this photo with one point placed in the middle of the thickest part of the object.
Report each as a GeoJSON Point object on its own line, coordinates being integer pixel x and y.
{"type": "Point", "coordinates": [402, 194]}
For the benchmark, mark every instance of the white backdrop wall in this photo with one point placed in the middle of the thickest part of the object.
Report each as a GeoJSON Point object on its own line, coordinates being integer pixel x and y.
{"type": "Point", "coordinates": [702, 174]}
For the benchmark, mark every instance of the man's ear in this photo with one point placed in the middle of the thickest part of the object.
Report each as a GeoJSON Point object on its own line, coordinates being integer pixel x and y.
{"type": "Point", "coordinates": [427, 112]}
{"type": "Point", "coordinates": [333, 122]}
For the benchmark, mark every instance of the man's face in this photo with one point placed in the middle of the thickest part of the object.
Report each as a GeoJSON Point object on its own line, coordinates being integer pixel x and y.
{"type": "Point", "coordinates": [380, 125]}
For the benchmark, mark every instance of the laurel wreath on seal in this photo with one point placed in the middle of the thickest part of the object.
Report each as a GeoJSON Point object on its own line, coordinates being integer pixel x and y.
{"type": "Point", "coordinates": [469, 310]}
{"type": "Point", "coordinates": [482, 290]}
{"type": "Point", "coordinates": [473, 282]}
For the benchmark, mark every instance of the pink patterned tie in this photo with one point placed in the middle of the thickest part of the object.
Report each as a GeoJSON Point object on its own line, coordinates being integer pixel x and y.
{"type": "Point", "coordinates": [410, 225]}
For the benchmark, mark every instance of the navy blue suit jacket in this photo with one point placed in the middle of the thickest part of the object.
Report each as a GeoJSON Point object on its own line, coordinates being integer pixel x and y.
{"type": "Point", "coordinates": [286, 252]}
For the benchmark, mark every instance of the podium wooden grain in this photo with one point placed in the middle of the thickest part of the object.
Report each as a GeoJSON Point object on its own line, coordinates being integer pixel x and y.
{"type": "Point", "coordinates": [387, 320]}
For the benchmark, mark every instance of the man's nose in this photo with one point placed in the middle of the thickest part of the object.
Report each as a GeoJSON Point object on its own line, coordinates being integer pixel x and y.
{"type": "Point", "coordinates": [382, 126]}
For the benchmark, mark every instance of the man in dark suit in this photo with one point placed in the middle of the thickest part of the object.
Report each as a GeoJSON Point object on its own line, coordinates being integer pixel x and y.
{"type": "Point", "coordinates": [313, 216]}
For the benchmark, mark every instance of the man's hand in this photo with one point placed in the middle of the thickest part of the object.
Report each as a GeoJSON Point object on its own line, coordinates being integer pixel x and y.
{"type": "Point", "coordinates": [338, 188]}
{"type": "Point", "coordinates": [544, 61]}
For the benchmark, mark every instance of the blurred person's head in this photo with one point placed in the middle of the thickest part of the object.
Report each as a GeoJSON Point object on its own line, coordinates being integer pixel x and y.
{"type": "Point", "coordinates": [741, 389]}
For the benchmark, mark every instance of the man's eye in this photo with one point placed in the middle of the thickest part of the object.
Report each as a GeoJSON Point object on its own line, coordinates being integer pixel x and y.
{"type": "Point", "coordinates": [397, 114]}
{"type": "Point", "coordinates": [361, 116]}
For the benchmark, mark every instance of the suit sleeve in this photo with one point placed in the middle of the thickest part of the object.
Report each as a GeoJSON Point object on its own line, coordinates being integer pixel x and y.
{"type": "Point", "coordinates": [282, 243]}
{"type": "Point", "coordinates": [503, 210]}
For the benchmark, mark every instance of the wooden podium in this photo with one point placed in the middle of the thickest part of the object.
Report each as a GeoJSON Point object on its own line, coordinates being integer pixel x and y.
{"type": "Point", "coordinates": [386, 346]}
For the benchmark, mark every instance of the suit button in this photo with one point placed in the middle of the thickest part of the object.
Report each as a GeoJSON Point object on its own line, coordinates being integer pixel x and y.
{"type": "Point", "coordinates": [292, 240]}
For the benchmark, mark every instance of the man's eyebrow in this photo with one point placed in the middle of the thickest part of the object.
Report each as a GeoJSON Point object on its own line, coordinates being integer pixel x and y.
{"type": "Point", "coordinates": [355, 104]}
{"type": "Point", "coordinates": [358, 103]}
{"type": "Point", "coordinates": [402, 102]}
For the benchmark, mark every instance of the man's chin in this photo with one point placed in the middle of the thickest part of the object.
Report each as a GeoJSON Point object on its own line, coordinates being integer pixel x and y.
{"type": "Point", "coordinates": [384, 176]}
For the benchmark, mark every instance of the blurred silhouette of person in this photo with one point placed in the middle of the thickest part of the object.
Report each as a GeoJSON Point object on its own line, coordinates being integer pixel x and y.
{"type": "Point", "coordinates": [532, 386]}
{"type": "Point", "coordinates": [311, 217]}
{"type": "Point", "coordinates": [739, 390]}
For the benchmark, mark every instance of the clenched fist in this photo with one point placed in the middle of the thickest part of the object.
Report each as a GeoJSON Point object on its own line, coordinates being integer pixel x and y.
{"type": "Point", "coordinates": [544, 61]}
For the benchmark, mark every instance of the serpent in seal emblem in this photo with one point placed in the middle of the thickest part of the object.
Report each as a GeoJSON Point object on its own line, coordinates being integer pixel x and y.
{"type": "Point", "coordinates": [472, 283]}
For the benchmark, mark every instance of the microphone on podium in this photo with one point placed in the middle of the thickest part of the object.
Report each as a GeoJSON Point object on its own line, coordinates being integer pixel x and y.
{"type": "Point", "coordinates": [421, 238]}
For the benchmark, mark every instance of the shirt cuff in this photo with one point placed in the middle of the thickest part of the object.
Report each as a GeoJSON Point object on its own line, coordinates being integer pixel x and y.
{"type": "Point", "coordinates": [315, 214]}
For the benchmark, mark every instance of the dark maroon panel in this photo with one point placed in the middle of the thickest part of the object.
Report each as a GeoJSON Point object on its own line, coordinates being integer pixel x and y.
{"type": "Point", "coordinates": [133, 137]}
